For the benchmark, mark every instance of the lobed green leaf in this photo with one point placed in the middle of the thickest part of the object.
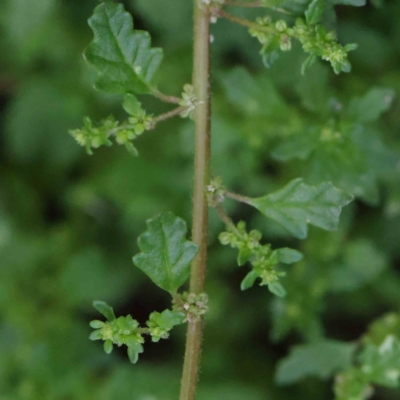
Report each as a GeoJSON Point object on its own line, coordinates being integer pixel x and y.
{"type": "Point", "coordinates": [320, 359]}
{"type": "Point", "coordinates": [370, 107]}
{"type": "Point", "coordinates": [124, 60]}
{"type": "Point", "coordinates": [298, 204]}
{"type": "Point", "coordinates": [166, 254]}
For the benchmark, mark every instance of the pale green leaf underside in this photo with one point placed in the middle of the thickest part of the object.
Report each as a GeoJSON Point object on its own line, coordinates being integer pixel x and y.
{"type": "Point", "coordinates": [298, 204]}
{"type": "Point", "coordinates": [166, 254]}
{"type": "Point", "coordinates": [318, 359]}
{"type": "Point", "coordinates": [124, 60]}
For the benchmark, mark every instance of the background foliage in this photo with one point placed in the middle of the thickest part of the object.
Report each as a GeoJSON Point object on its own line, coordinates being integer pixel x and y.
{"type": "Point", "coordinates": [69, 222]}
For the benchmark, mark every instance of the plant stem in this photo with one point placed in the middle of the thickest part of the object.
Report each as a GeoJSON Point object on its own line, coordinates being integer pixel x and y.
{"type": "Point", "coordinates": [201, 84]}
{"type": "Point", "coordinates": [166, 98]}
{"type": "Point", "coordinates": [225, 218]}
{"type": "Point", "coordinates": [169, 114]}
{"type": "Point", "coordinates": [245, 22]}
{"type": "Point", "coordinates": [238, 197]}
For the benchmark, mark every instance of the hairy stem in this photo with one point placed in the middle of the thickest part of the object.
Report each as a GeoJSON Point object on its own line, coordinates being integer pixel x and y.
{"type": "Point", "coordinates": [245, 22]}
{"type": "Point", "coordinates": [201, 84]}
{"type": "Point", "coordinates": [238, 197]}
{"type": "Point", "coordinates": [166, 98]}
{"type": "Point", "coordinates": [226, 219]}
{"type": "Point", "coordinates": [169, 114]}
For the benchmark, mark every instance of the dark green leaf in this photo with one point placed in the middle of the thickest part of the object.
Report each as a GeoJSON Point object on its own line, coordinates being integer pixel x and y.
{"type": "Point", "coordinates": [321, 359]}
{"type": "Point", "coordinates": [314, 11]}
{"type": "Point", "coordinates": [299, 204]}
{"type": "Point", "coordinates": [299, 145]}
{"type": "Point", "coordinates": [122, 56]}
{"type": "Point", "coordinates": [362, 263]}
{"type": "Point", "coordinates": [372, 105]}
{"type": "Point", "coordinates": [308, 63]}
{"type": "Point", "coordinates": [105, 309]}
{"type": "Point", "coordinates": [248, 280]}
{"type": "Point", "coordinates": [270, 52]}
{"type": "Point", "coordinates": [166, 254]}
{"type": "Point", "coordinates": [289, 256]}
{"type": "Point", "coordinates": [254, 96]}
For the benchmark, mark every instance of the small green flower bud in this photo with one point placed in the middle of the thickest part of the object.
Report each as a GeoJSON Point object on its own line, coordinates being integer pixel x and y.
{"type": "Point", "coordinates": [225, 238]}
{"type": "Point", "coordinates": [139, 129]}
{"type": "Point", "coordinates": [331, 36]}
{"type": "Point", "coordinates": [286, 45]}
{"type": "Point", "coordinates": [281, 25]}
{"type": "Point", "coordinates": [241, 226]}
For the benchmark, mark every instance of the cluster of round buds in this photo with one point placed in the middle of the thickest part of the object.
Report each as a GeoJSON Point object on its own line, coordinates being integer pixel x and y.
{"type": "Point", "coordinates": [189, 101]}
{"type": "Point", "coordinates": [264, 29]}
{"type": "Point", "coordinates": [316, 40]}
{"type": "Point", "coordinates": [246, 240]}
{"type": "Point", "coordinates": [215, 191]}
{"type": "Point", "coordinates": [194, 306]}
{"type": "Point", "coordinates": [262, 258]}
{"type": "Point", "coordinates": [285, 35]}
{"type": "Point", "coordinates": [92, 137]}
{"type": "Point", "coordinates": [120, 331]}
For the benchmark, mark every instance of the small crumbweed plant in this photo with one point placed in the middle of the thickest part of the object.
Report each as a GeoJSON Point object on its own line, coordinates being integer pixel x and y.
{"type": "Point", "coordinates": [126, 64]}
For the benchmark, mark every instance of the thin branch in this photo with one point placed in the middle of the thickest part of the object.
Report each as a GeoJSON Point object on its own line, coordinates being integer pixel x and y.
{"type": "Point", "coordinates": [166, 98]}
{"type": "Point", "coordinates": [238, 197]}
{"type": "Point", "coordinates": [245, 22]}
{"type": "Point", "coordinates": [169, 114]}
{"type": "Point", "coordinates": [226, 219]}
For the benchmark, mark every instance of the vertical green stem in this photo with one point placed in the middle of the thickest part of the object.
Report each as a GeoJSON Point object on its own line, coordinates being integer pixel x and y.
{"type": "Point", "coordinates": [201, 83]}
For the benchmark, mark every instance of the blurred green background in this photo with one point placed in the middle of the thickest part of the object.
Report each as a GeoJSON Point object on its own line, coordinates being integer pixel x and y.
{"type": "Point", "coordinates": [69, 222]}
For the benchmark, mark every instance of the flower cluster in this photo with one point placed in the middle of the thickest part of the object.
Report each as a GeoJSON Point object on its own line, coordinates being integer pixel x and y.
{"type": "Point", "coordinates": [263, 259]}
{"type": "Point", "coordinates": [315, 40]}
{"type": "Point", "coordinates": [92, 137]}
{"type": "Point", "coordinates": [161, 323]}
{"type": "Point", "coordinates": [318, 42]}
{"type": "Point", "coordinates": [215, 191]}
{"type": "Point", "coordinates": [120, 331]}
{"type": "Point", "coordinates": [192, 305]}
{"type": "Point", "coordinates": [189, 101]}
{"type": "Point", "coordinates": [126, 330]}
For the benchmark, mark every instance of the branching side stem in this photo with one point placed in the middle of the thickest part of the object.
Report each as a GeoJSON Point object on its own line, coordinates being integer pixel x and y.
{"type": "Point", "coordinates": [245, 22]}
{"type": "Point", "coordinates": [201, 84]}
{"type": "Point", "coordinates": [238, 197]}
{"type": "Point", "coordinates": [169, 114]}
{"type": "Point", "coordinates": [226, 219]}
{"type": "Point", "coordinates": [166, 98]}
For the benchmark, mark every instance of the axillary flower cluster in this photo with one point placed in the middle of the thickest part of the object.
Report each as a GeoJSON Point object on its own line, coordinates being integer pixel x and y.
{"type": "Point", "coordinates": [264, 261]}
{"type": "Point", "coordinates": [315, 40]}
{"type": "Point", "coordinates": [124, 330]}
{"type": "Point", "coordinates": [93, 136]}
